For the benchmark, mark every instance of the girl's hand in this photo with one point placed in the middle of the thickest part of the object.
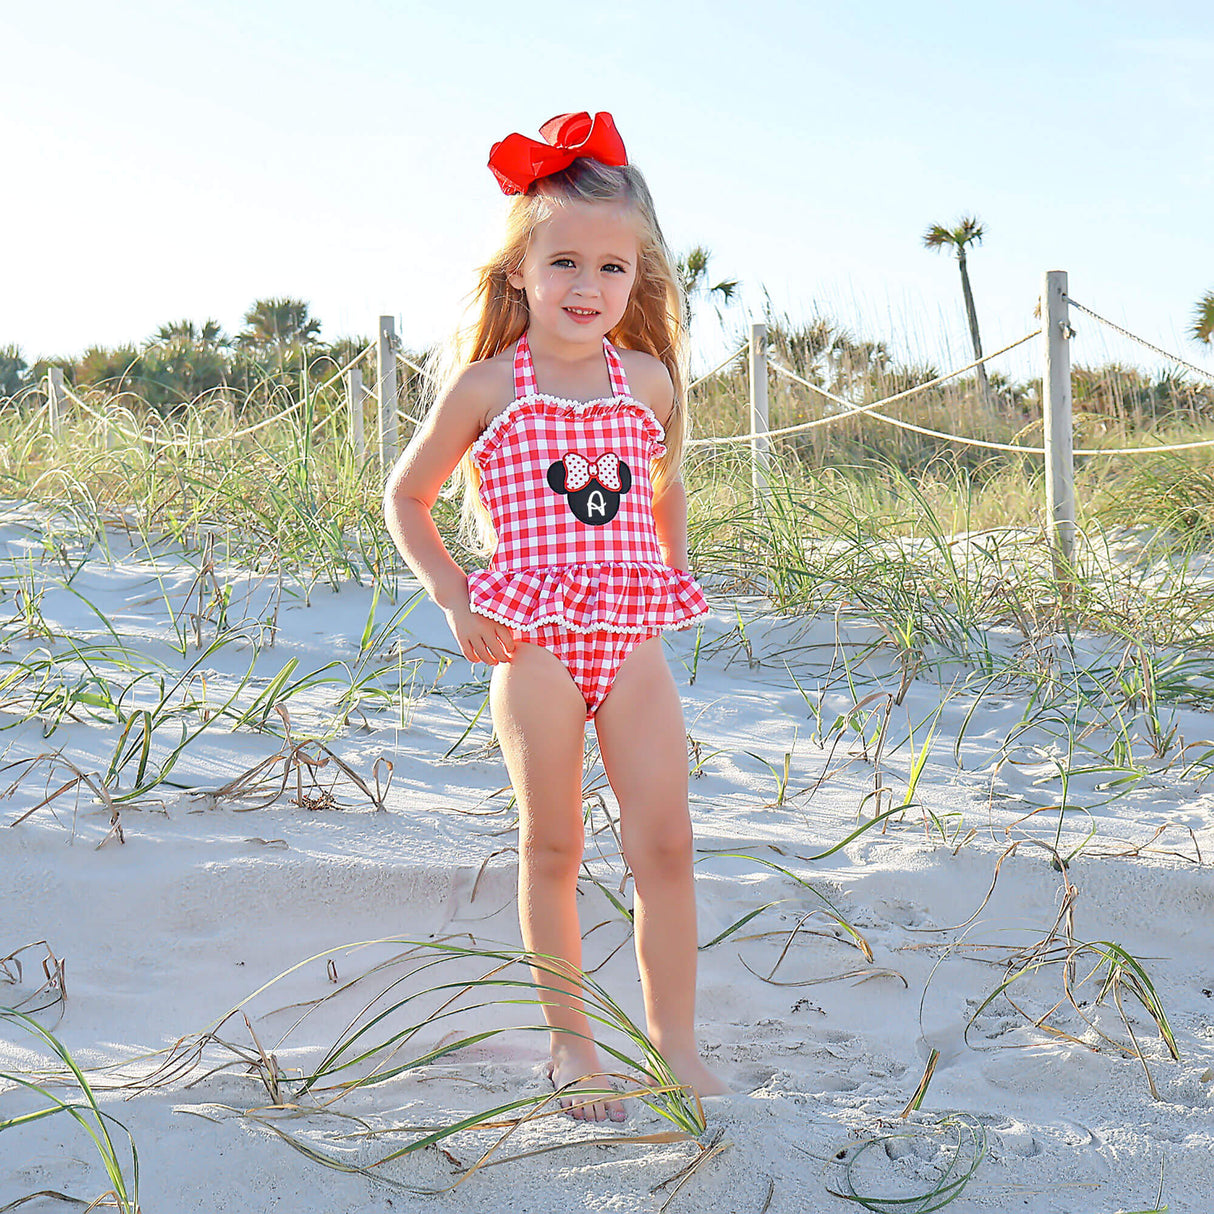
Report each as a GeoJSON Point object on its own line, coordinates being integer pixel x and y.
{"type": "Point", "coordinates": [480, 639]}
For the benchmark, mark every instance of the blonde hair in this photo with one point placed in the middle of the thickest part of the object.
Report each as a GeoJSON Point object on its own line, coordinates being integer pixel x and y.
{"type": "Point", "coordinates": [654, 320]}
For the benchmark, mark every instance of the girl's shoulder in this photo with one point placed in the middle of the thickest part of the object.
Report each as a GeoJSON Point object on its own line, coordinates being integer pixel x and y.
{"type": "Point", "coordinates": [486, 387]}
{"type": "Point", "coordinates": [649, 380]}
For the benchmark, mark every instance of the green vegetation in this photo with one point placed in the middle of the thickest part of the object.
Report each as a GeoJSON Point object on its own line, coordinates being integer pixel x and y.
{"type": "Point", "coordinates": [928, 555]}
{"type": "Point", "coordinates": [271, 470]}
{"type": "Point", "coordinates": [1203, 319]}
{"type": "Point", "coordinates": [184, 363]}
{"type": "Point", "coordinates": [966, 232]}
{"type": "Point", "coordinates": [13, 371]}
{"type": "Point", "coordinates": [124, 1189]}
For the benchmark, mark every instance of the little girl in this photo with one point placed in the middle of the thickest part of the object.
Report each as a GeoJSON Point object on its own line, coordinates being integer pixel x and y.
{"type": "Point", "coordinates": [569, 451]}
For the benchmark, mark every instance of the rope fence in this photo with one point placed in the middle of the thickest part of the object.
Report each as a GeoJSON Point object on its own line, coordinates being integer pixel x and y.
{"type": "Point", "coordinates": [742, 349]}
{"type": "Point", "coordinates": [1057, 420]}
{"type": "Point", "coordinates": [1058, 450]}
{"type": "Point", "coordinates": [1142, 341]}
{"type": "Point", "coordinates": [149, 435]}
{"type": "Point", "coordinates": [872, 410]}
{"type": "Point", "coordinates": [851, 410]}
{"type": "Point", "coordinates": [411, 365]}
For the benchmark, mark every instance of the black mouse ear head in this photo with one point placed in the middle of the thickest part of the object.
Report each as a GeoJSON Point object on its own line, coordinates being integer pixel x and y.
{"type": "Point", "coordinates": [556, 476]}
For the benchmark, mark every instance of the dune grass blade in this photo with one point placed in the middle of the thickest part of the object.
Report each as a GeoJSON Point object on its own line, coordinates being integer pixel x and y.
{"type": "Point", "coordinates": [1126, 970]}
{"type": "Point", "coordinates": [970, 1146]}
{"type": "Point", "coordinates": [858, 939]}
{"type": "Point", "coordinates": [1122, 970]}
{"type": "Point", "coordinates": [624, 912]}
{"type": "Point", "coordinates": [361, 1046]}
{"type": "Point", "coordinates": [54, 971]}
{"type": "Point", "coordinates": [876, 820]}
{"type": "Point", "coordinates": [1159, 1207]}
{"type": "Point", "coordinates": [332, 1162]}
{"type": "Point", "coordinates": [88, 1115]}
{"type": "Point", "coordinates": [917, 1099]}
{"type": "Point", "coordinates": [52, 1194]}
{"type": "Point", "coordinates": [470, 727]}
{"type": "Point", "coordinates": [660, 1138]}
{"type": "Point", "coordinates": [672, 1102]}
{"type": "Point", "coordinates": [498, 1118]}
{"type": "Point", "coordinates": [492, 1117]}
{"type": "Point", "coordinates": [740, 923]}
{"type": "Point", "coordinates": [700, 1160]}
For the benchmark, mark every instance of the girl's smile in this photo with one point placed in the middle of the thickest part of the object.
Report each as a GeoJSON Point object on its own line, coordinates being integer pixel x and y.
{"type": "Point", "coordinates": [583, 316]}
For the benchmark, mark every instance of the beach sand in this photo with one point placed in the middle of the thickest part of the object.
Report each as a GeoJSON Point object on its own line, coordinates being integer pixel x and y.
{"type": "Point", "coordinates": [208, 897]}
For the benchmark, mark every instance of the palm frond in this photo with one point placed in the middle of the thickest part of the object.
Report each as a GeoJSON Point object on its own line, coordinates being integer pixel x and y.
{"type": "Point", "coordinates": [968, 230]}
{"type": "Point", "coordinates": [1203, 319]}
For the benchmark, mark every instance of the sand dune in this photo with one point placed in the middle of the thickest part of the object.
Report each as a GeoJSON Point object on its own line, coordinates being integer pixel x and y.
{"type": "Point", "coordinates": [206, 900]}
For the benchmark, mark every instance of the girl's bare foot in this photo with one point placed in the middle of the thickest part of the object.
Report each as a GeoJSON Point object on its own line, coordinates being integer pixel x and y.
{"type": "Point", "coordinates": [690, 1069]}
{"type": "Point", "coordinates": [582, 1070]}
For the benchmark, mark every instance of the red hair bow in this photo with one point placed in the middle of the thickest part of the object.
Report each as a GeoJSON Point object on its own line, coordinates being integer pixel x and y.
{"type": "Point", "coordinates": [517, 161]}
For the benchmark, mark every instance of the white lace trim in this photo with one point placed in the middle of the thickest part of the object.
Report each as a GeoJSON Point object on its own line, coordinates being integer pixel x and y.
{"type": "Point", "coordinates": [545, 398]}
{"type": "Point", "coordinates": [533, 625]}
{"type": "Point", "coordinates": [575, 567]}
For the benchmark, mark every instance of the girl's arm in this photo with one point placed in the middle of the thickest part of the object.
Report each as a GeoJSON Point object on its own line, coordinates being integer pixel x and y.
{"type": "Point", "coordinates": [670, 519]}
{"type": "Point", "coordinates": [413, 485]}
{"type": "Point", "coordinates": [669, 502]}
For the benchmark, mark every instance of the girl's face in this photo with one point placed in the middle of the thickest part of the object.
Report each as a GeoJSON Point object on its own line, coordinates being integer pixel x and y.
{"type": "Point", "coordinates": [579, 269]}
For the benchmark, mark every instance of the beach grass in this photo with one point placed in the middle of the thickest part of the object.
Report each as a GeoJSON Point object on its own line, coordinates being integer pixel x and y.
{"type": "Point", "coordinates": [930, 562]}
{"type": "Point", "coordinates": [121, 1168]}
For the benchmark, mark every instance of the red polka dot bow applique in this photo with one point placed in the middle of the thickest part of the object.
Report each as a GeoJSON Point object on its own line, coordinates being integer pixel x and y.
{"type": "Point", "coordinates": [579, 471]}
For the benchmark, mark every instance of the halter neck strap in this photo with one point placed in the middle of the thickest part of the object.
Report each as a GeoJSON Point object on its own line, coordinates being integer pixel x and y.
{"type": "Point", "coordinates": [524, 370]}
{"type": "Point", "coordinates": [615, 369]}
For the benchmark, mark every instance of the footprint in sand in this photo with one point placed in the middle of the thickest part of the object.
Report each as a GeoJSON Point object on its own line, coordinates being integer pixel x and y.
{"type": "Point", "coordinates": [948, 1039]}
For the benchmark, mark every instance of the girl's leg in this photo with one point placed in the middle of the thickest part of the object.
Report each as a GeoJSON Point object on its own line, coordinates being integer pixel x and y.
{"type": "Point", "coordinates": [644, 748]}
{"type": "Point", "coordinates": [540, 719]}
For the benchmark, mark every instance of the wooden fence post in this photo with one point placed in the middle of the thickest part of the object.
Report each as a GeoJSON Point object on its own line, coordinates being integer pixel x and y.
{"type": "Point", "coordinates": [1058, 425]}
{"type": "Point", "coordinates": [354, 403]}
{"type": "Point", "coordinates": [760, 444]}
{"type": "Point", "coordinates": [386, 390]}
{"type": "Point", "coordinates": [54, 399]}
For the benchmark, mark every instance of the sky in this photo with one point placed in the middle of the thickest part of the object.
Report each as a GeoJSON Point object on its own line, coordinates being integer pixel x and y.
{"type": "Point", "coordinates": [168, 161]}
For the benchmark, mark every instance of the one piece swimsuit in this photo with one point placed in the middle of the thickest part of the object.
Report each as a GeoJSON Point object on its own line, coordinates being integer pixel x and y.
{"type": "Point", "coordinates": [577, 567]}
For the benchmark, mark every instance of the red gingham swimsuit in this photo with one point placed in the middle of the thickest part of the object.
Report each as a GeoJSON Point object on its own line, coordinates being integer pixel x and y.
{"type": "Point", "coordinates": [577, 567]}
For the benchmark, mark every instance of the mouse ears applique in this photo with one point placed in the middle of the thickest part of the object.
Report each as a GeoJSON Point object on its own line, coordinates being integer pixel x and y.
{"type": "Point", "coordinates": [593, 486]}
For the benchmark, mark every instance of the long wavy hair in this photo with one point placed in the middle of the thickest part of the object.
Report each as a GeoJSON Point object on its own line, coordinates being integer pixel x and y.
{"type": "Point", "coordinates": [653, 320]}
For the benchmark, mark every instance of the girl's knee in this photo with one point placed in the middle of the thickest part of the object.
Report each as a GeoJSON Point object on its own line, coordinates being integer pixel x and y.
{"type": "Point", "coordinates": [557, 858]}
{"type": "Point", "coordinates": [660, 851]}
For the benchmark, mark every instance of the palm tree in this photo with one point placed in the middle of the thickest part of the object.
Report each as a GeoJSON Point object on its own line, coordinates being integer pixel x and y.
{"type": "Point", "coordinates": [857, 362]}
{"type": "Point", "coordinates": [278, 326]}
{"type": "Point", "coordinates": [117, 368]}
{"type": "Point", "coordinates": [803, 345]}
{"type": "Point", "coordinates": [38, 370]}
{"type": "Point", "coordinates": [12, 370]}
{"type": "Point", "coordinates": [210, 336]}
{"type": "Point", "coordinates": [184, 360]}
{"type": "Point", "coordinates": [1203, 319]}
{"type": "Point", "coordinates": [968, 231]}
{"type": "Point", "coordinates": [345, 349]}
{"type": "Point", "coordinates": [692, 269]}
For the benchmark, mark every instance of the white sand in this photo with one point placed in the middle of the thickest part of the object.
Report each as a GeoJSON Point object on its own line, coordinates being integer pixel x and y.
{"type": "Point", "coordinates": [203, 903]}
